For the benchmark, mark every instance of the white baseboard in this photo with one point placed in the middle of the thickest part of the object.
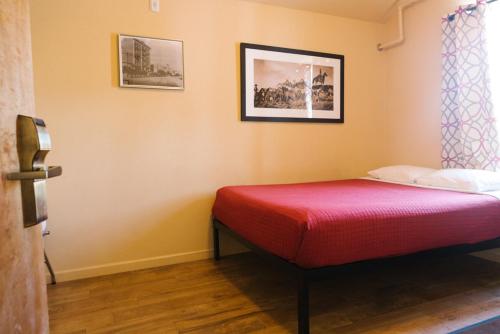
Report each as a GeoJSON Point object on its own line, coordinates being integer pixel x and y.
{"type": "Point", "coordinates": [164, 260]}
{"type": "Point", "coordinates": [123, 266]}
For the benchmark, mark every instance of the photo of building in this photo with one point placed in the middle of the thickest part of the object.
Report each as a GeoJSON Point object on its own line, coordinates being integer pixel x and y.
{"type": "Point", "coordinates": [135, 55]}
{"type": "Point", "coordinates": [150, 62]}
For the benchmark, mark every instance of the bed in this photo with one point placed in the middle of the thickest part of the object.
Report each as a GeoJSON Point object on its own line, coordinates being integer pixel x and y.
{"type": "Point", "coordinates": [314, 229]}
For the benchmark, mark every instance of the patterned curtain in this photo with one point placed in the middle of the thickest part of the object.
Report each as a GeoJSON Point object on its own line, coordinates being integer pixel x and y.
{"type": "Point", "coordinates": [469, 135]}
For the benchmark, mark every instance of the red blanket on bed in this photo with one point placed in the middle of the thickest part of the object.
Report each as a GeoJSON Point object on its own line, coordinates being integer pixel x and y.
{"type": "Point", "coordinates": [329, 223]}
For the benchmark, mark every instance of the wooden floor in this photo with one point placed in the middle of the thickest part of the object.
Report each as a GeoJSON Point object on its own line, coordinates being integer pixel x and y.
{"type": "Point", "coordinates": [243, 294]}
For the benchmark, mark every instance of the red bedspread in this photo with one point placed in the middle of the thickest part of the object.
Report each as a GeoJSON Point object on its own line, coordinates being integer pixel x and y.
{"type": "Point", "coordinates": [328, 223]}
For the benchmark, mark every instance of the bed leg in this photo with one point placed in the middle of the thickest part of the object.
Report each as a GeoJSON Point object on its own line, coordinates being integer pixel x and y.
{"type": "Point", "coordinates": [49, 267]}
{"type": "Point", "coordinates": [303, 304]}
{"type": "Point", "coordinates": [215, 231]}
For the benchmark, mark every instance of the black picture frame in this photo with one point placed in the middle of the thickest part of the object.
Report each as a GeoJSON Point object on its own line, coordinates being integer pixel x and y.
{"type": "Point", "coordinates": [337, 79]}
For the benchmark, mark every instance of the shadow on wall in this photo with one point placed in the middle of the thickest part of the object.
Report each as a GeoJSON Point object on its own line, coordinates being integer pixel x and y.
{"type": "Point", "coordinates": [115, 64]}
{"type": "Point", "coordinates": [160, 225]}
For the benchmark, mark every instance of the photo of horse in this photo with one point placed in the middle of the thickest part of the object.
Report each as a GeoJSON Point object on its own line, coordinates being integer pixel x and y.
{"type": "Point", "coordinates": [291, 85]}
{"type": "Point", "coordinates": [281, 85]}
{"type": "Point", "coordinates": [322, 88]}
{"type": "Point", "coordinates": [286, 85]}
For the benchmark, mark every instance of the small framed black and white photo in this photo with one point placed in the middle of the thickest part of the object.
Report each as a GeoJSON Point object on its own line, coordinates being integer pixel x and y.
{"type": "Point", "coordinates": [147, 62]}
{"type": "Point", "coordinates": [289, 85]}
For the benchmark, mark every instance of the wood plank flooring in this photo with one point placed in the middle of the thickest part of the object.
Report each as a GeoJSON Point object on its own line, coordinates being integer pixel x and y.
{"type": "Point", "coordinates": [244, 294]}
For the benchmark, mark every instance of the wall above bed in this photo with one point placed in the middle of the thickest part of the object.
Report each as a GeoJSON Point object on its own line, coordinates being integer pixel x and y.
{"type": "Point", "coordinates": [414, 85]}
{"type": "Point", "coordinates": [142, 166]}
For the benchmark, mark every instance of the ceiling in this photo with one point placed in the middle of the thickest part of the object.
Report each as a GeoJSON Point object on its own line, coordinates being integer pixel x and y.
{"type": "Point", "coordinates": [369, 10]}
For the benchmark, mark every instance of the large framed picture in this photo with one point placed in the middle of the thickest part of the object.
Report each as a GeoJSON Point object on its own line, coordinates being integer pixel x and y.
{"type": "Point", "coordinates": [288, 85]}
{"type": "Point", "coordinates": [147, 62]}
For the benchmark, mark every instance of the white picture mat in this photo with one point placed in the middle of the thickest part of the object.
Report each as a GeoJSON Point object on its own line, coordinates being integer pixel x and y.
{"type": "Point", "coordinates": [252, 54]}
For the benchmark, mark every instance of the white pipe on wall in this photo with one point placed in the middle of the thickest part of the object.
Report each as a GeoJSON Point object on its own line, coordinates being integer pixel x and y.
{"type": "Point", "coordinates": [401, 38]}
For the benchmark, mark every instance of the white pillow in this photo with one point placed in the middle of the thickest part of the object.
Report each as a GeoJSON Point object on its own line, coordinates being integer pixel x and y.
{"type": "Point", "coordinates": [475, 180]}
{"type": "Point", "coordinates": [400, 173]}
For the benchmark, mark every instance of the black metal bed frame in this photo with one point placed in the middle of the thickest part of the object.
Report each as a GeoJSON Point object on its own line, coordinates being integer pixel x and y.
{"type": "Point", "coordinates": [305, 275]}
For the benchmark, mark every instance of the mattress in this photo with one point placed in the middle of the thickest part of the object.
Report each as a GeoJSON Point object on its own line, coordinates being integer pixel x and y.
{"type": "Point", "coordinates": [337, 222]}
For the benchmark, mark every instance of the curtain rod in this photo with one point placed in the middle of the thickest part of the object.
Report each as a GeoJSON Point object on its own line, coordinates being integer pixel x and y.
{"type": "Point", "coordinates": [451, 17]}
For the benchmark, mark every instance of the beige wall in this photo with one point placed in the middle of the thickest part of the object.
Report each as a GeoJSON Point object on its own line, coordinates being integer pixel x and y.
{"type": "Point", "coordinates": [414, 85]}
{"type": "Point", "coordinates": [23, 297]}
{"type": "Point", "coordinates": [141, 167]}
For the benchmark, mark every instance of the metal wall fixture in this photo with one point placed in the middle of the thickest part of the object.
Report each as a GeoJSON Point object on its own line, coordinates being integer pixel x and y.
{"type": "Point", "coordinates": [33, 144]}
{"type": "Point", "coordinates": [402, 5]}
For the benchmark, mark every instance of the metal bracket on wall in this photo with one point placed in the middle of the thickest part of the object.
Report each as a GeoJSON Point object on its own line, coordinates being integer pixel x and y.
{"type": "Point", "coordinates": [402, 5]}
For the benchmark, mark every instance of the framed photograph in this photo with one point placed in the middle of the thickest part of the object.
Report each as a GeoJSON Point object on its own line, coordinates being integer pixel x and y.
{"type": "Point", "coordinates": [288, 85]}
{"type": "Point", "coordinates": [147, 62]}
